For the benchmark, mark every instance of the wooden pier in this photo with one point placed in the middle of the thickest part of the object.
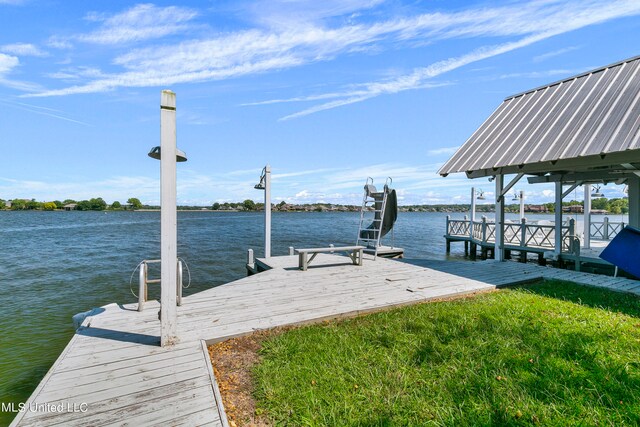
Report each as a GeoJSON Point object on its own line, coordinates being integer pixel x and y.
{"type": "Point", "coordinates": [114, 372]}
{"type": "Point", "coordinates": [529, 237]}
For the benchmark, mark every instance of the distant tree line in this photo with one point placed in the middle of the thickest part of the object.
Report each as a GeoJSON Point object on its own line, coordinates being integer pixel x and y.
{"type": "Point", "coordinates": [613, 206]}
{"type": "Point", "coordinates": [94, 204]}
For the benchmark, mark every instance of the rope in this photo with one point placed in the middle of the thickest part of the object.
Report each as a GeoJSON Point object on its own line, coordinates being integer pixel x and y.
{"type": "Point", "coordinates": [188, 272]}
{"type": "Point", "coordinates": [131, 279]}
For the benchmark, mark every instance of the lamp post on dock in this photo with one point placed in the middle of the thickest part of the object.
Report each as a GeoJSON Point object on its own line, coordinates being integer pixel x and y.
{"type": "Point", "coordinates": [168, 155]}
{"type": "Point", "coordinates": [265, 184]}
{"type": "Point", "coordinates": [519, 196]}
{"type": "Point", "coordinates": [586, 236]}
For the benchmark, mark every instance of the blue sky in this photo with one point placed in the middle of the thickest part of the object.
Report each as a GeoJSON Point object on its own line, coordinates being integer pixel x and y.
{"type": "Point", "coordinates": [326, 92]}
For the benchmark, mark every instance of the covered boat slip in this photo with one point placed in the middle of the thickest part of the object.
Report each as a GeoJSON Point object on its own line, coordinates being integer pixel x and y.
{"type": "Point", "coordinates": [576, 132]}
{"type": "Point", "coordinates": [115, 365]}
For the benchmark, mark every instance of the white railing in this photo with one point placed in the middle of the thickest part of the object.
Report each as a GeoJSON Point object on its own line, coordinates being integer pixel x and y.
{"type": "Point", "coordinates": [605, 230]}
{"type": "Point", "coordinates": [518, 234]}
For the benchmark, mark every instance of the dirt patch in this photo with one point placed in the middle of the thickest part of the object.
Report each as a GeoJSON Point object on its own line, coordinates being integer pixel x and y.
{"type": "Point", "coordinates": [233, 361]}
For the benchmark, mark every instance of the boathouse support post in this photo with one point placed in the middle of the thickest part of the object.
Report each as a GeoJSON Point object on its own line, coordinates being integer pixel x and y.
{"type": "Point", "coordinates": [447, 240]}
{"type": "Point", "coordinates": [558, 218]}
{"type": "Point", "coordinates": [499, 220]}
{"type": "Point", "coordinates": [586, 237]}
{"type": "Point", "coordinates": [472, 216]}
{"type": "Point", "coordinates": [473, 204]}
{"type": "Point", "coordinates": [633, 188]}
{"type": "Point", "coordinates": [168, 220]}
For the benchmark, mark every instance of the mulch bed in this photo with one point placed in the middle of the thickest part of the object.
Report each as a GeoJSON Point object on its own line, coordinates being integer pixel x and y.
{"type": "Point", "coordinates": [233, 361]}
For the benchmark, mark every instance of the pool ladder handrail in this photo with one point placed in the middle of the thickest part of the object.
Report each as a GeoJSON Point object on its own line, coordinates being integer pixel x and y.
{"type": "Point", "coordinates": [144, 281]}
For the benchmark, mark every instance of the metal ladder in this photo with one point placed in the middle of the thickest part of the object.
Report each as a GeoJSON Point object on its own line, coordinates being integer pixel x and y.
{"type": "Point", "coordinates": [378, 201]}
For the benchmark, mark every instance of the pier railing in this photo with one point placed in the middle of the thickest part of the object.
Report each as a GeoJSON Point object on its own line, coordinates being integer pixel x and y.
{"type": "Point", "coordinates": [605, 230]}
{"type": "Point", "coordinates": [521, 234]}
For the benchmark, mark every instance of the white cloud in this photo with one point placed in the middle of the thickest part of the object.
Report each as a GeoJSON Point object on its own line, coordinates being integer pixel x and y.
{"type": "Point", "coordinates": [414, 184]}
{"type": "Point", "coordinates": [554, 53]}
{"type": "Point", "coordinates": [23, 49]}
{"type": "Point", "coordinates": [256, 51]}
{"type": "Point", "coordinates": [44, 111]}
{"type": "Point", "coordinates": [540, 74]}
{"type": "Point", "coordinates": [443, 150]}
{"type": "Point", "coordinates": [141, 22]}
{"type": "Point", "coordinates": [57, 42]}
{"type": "Point", "coordinates": [7, 63]}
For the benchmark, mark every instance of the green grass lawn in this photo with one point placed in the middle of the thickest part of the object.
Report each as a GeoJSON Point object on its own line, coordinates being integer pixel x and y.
{"type": "Point", "coordinates": [553, 353]}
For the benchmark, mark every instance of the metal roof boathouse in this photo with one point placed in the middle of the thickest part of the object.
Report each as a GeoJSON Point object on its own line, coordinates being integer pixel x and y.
{"type": "Point", "coordinates": [579, 131]}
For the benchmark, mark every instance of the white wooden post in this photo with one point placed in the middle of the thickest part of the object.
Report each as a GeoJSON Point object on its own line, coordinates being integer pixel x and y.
{"type": "Point", "coordinates": [473, 204]}
{"type": "Point", "coordinates": [484, 229]}
{"type": "Point", "coordinates": [521, 205]}
{"type": "Point", "coordinates": [267, 212]}
{"type": "Point", "coordinates": [473, 211]}
{"type": "Point", "coordinates": [586, 238]}
{"type": "Point", "coordinates": [633, 185]}
{"type": "Point", "coordinates": [168, 219]}
{"type": "Point", "coordinates": [499, 221]}
{"type": "Point", "coordinates": [558, 219]}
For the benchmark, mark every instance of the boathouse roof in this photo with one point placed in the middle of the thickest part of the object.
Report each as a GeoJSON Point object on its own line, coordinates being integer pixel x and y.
{"type": "Point", "coordinates": [589, 122]}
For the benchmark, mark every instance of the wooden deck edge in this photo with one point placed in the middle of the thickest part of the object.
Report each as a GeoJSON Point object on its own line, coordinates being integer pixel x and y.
{"type": "Point", "coordinates": [632, 291]}
{"type": "Point", "coordinates": [20, 416]}
{"type": "Point", "coordinates": [214, 385]}
{"type": "Point", "coordinates": [520, 282]}
{"type": "Point", "coordinates": [356, 313]}
{"type": "Point", "coordinates": [85, 324]}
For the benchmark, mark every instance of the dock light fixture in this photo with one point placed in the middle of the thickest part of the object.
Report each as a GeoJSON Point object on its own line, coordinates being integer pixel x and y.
{"type": "Point", "coordinates": [155, 153]}
{"type": "Point", "coordinates": [263, 177]}
{"type": "Point", "coordinates": [515, 197]}
{"type": "Point", "coordinates": [480, 195]}
{"type": "Point", "coordinates": [596, 192]}
{"type": "Point", "coordinates": [265, 184]}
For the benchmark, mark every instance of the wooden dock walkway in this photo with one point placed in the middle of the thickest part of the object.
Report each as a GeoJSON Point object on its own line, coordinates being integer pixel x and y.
{"type": "Point", "coordinates": [113, 371]}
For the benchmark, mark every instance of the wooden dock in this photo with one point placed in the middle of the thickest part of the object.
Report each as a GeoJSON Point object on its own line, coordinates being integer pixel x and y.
{"type": "Point", "coordinates": [535, 238]}
{"type": "Point", "coordinates": [114, 372]}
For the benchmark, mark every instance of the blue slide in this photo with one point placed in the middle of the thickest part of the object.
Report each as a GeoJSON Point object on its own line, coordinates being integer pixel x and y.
{"type": "Point", "coordinates": [624, 251]}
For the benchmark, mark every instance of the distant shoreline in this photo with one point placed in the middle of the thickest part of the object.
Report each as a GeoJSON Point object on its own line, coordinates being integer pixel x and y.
{"type": "Point", "coordinates": [401, 209]}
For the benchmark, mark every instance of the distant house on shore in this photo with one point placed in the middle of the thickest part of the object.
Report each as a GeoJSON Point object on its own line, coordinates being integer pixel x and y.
{"type": "Point", "coordinates": [536, 208]}
{"type": "Point", "coordinates": [70, 207]}
{"type": "Point", "coordinates": [573, 209]}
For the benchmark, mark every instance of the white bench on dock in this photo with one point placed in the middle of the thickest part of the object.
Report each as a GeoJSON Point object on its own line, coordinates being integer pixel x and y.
{"type": "Point", "coordinates": [354, 252]}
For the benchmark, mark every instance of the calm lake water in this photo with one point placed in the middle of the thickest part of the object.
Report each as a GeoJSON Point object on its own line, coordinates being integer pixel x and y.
{"type": "Point", "coordinates": [56, 264]}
